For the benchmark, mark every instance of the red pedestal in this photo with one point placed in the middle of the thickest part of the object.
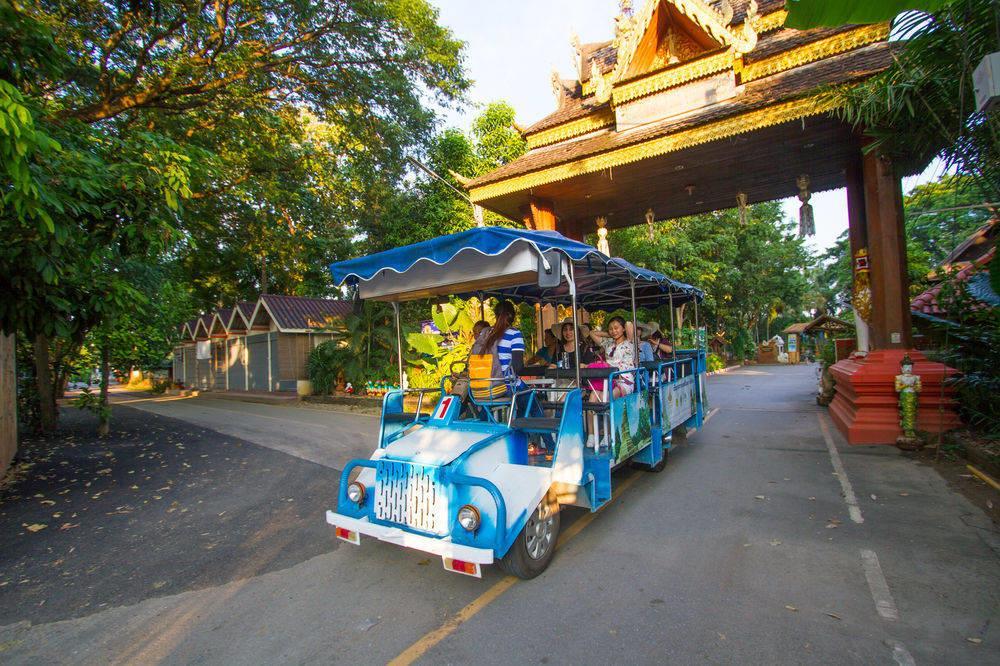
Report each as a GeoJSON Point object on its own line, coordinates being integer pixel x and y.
{"type": "Point", "coordinates": [865, 406]}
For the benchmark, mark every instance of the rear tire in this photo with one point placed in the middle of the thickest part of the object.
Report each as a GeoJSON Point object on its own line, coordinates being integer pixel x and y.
{"type": "Point", "coordinates": [534, 547]}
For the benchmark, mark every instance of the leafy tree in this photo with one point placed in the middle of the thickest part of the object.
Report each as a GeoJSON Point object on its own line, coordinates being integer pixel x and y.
{"type": "Point", "coordinates": [129, 131]}
{"type": "Point", "coordinates": [933, 222]}
{"type": "Point", "coordinates": [746, 271]}
{"type": "Point", "coordinates": [430, 208]}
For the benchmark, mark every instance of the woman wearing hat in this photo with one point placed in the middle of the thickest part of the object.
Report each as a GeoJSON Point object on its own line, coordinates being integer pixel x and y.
{"type": "Point", "coordinates": [659, 346]}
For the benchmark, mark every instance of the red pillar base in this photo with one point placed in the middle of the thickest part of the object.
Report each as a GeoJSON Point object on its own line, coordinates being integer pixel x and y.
{"type": "Point", "coordinates": [865, 406]}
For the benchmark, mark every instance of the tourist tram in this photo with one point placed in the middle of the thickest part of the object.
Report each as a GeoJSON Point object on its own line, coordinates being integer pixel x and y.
{"type": "Point", "coordinates": [477, 481]}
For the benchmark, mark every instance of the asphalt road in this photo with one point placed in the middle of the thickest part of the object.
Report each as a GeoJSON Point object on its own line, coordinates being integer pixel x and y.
{"type": "Point", "coordinates": [765, 540]}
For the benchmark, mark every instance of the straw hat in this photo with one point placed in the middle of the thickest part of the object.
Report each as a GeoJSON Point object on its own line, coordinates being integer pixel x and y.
{"type": "Point", "coordinates": [556, 328]}
{"type": "Point", "coordinates": [648, 328]}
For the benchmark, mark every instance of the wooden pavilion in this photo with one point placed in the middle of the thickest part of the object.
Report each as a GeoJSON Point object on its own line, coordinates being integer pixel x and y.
{"type": "Point", "coordinates": [820, 328]}
{"type": "Point", "coordinates": [699, 105]}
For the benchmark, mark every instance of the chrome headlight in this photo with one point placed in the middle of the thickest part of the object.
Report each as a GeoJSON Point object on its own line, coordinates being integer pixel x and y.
{"type": "Point", "coordinates": [468, 518]}
{"type": "Point", "coordinates": [356, 492]}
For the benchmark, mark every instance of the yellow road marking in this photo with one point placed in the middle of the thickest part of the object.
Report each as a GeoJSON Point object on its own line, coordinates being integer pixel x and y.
{"type": "Point", "coordinates": [426, 642]}
{"type": "Point", "coordinates": [429, 640]}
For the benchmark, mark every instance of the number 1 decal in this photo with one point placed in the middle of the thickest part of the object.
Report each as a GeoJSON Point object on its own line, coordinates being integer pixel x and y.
{"type": "Point", "coordinates": [442, 409]}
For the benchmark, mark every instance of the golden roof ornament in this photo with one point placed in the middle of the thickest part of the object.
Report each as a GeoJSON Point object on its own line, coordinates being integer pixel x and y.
{"type": "Point", "coordinates": [602, 86]}
{"type": "Point", "coordinates": [725, 11]}
{"type": "Point", "coordinates": [557, 87]}
{"type": "Point", "coordinates": [602, 236]}
{"type": "Point", "coordinates": [577, 45]}
{"type": "Point", "coordinates": [807, 223]}
{"type": "Point", "coordinates": [742, 201]}
{"type": "Point", "coordinates": [746, 39]}
{"type": "Point", "coordinates": [650, 218]}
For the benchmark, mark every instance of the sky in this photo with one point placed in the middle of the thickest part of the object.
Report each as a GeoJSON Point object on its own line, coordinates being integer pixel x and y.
{"type": "Point", "coordinates": [513, 46]}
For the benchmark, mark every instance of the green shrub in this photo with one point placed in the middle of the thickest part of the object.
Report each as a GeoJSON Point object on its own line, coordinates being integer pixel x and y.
{"type": "Point", "coordinates": [829, 354]}
{"type": "Point", "coordinates": [715, 363]}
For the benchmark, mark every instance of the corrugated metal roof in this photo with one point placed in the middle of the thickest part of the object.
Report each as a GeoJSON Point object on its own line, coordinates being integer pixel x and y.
{"type": "Point", "coordinates": [299, 313]}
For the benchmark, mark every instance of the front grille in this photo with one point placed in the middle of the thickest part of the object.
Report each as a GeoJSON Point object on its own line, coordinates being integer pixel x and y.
{"type": "Point", "coordinates": [410, 495]}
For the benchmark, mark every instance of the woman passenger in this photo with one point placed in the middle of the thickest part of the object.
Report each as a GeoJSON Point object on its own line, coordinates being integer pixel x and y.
{"type": "Point", "coordinates": [548, 353]}
{"type": "Point", "coordinates": [573, 347]}
{"type": "Point", "coordinates": [508, 344]}
{"type": "Point", "coordinates": [620, 353]}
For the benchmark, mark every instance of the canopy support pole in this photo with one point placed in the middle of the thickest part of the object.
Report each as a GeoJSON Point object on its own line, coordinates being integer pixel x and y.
{"type": "Point", "coordinates": [571, 276]}
{"type": "Point", "coordinates": [673, 338]}
{"type": "Point", "coordinates": [399, 346]}
{"type": "Point", "coordinates": [635, 321]}
{"type": "Point", "coordinates": [697, 326]}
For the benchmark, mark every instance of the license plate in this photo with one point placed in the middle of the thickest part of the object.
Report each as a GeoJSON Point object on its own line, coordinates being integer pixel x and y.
{"type": "Point", "coordinates": [348, 536]}
{"type": "Point", "coordinates": [459, 566]}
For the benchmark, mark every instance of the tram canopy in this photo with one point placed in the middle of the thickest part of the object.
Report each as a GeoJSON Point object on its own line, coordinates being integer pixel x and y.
{"type": "Point", "coordinates": [508, 263]}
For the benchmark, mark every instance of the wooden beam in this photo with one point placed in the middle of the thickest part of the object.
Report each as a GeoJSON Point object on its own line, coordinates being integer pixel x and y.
{"type": "Point", "coordinates": [542, 214]}
{"type": "Point", "coordinates": [891, 325]}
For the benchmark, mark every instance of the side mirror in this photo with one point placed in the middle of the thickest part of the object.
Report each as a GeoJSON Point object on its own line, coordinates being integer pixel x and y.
{"type": "Point", "coordinates": [552, 276]}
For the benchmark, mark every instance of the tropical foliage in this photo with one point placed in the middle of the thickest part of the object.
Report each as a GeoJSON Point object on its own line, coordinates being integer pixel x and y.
{"type": "Point", "coordinates": [937, 218]}
{"type": "Point", "coordinates": [804, 14]}
{"type": "Point", "coordinates": [432, 356]}
{"type": "Point", "coordinates": [924, 105]}
{"type": "Point", "coordinates": [361, 350]}
{"type": "Point", "coordinates": [749, 271]}
{"type": "Point", "coordinates": [971, 344]}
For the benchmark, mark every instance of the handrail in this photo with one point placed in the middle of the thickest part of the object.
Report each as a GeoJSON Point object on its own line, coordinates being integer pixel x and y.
{"type": "Point", "coordinates": [617, 373]}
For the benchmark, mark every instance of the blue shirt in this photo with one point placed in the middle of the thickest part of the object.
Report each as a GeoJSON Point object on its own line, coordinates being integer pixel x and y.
{"type": "Point", "coordinates": [646, 352]}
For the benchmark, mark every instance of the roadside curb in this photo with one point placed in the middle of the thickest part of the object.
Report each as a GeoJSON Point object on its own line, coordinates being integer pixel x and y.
{"type": "Point", "coordinates": [723, 371]}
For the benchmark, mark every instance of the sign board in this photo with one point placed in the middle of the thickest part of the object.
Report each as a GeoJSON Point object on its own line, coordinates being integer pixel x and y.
{"type": "Point", "coordinates": [679, 402]}
{"type": "Point", "coordinates": [793, 343]}
{"type": "Point", "coordinates": [203, 350]}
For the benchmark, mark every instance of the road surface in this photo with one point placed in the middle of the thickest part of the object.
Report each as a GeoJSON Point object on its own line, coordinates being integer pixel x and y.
{"type": "Point", "coordinates": [766, 540]}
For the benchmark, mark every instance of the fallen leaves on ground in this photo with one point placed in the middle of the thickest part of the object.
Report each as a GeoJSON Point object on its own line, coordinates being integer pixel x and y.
{"type": "Point", "coordinates": [35, 527]}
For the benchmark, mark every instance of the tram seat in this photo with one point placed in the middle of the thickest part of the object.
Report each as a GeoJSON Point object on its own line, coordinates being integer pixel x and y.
{"type": "Point", "coordinates": [597, 407]}
{"type": "Point", "coordinates": [400, 417]}
{"type": "Point", "coordinates": [537, 424]}
{"type": "Point", "coordinates": [551, 404]}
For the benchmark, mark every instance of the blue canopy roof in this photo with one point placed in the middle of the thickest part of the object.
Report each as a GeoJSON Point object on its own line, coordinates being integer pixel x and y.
{"type": "Point", "coordinates": [602, 281]}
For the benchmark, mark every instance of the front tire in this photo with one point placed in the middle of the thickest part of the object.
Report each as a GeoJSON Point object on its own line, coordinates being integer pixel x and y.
{"type": "Point", "coordinates": [534, 547]}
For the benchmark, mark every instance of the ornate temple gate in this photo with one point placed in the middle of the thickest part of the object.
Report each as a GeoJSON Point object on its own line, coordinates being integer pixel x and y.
{"type": "Point", "coordinates": [697, 106]}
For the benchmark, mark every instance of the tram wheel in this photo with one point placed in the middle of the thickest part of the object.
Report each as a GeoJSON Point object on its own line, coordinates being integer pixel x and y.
{"type": "Point", "coordinates": [534, 547]}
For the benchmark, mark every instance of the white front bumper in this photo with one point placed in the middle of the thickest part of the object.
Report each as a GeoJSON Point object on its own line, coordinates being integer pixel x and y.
{"type": "Point", "coordinates": [438, 546]}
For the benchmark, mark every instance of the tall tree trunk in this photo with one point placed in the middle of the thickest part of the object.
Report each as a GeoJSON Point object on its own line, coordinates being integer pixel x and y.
{"type": "Point", "coordinates": [104, 416]}
{"type": "Point", "coordinates": [48, 418]}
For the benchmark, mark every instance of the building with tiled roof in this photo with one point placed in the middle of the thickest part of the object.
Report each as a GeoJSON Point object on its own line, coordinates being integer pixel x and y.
{"type": "Point", "coordinates": [681, 87]}
{"type": "Point", "coordinates": [260, 345]}
{"type": "Point", "coordinates": [967, 268]}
